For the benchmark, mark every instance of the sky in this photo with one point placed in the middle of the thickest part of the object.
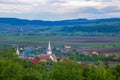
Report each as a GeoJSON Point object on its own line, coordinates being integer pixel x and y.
{"type": "Point", "coordinates": [59, 9]}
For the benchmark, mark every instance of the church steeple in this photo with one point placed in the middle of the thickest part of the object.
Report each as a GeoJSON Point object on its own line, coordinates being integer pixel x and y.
{"type": "Point", "coordinates": [49, 51]}
{"type": "Point", "coordinates": [17, 51]}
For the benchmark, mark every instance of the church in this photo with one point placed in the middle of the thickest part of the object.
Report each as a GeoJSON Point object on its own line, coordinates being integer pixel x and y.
{"type": "Point", "coordinates": [42, 57]}
{"type": "Point", "coordinates": [49, 55]}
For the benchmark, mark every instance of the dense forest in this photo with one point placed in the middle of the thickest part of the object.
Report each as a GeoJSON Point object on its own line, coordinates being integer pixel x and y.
{"type": "Point", "coordinates": [13, 68]}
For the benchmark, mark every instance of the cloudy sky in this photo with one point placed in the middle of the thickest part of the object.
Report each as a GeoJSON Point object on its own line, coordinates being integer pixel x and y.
{"type": "Point", "coordinates": [59, 9]}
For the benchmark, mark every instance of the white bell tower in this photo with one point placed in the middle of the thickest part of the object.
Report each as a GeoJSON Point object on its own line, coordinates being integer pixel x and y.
{"type": "Point", "coordinates": [17, 51]}
{"type": "Point", "coordinates": [49, 51]}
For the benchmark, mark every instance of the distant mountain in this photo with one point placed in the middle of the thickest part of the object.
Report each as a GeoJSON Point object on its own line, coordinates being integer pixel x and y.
{"type": "Point", "coordinates": [63, 27]}
{"type": "Point", "coordinates": [15, 21]}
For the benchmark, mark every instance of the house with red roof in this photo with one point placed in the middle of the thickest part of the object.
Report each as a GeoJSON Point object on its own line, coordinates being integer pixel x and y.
{"type": "Point", "coordinates": [108, 55]}
{"type": "Point", "coordinates": [116, 56]}
{"type": "Point", "coordinates": [35, 61]}
{"type": "Point", "coordinates": [95, 53]}
{"type": "Point", "coordinates": [64, 59]}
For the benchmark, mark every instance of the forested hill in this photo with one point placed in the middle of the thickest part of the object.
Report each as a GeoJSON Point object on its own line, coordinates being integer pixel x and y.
{"type": "Point", "coordinates": [23, 22]}
{"type": "Point", "coordinates": [75, 26]}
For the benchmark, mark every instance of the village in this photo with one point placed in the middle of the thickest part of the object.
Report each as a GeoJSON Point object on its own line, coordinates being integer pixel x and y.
{"type": "Point", "coordinates": [51, 53]}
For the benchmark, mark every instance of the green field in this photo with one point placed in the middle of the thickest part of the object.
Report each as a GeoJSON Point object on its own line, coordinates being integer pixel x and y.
{"type": "Point", "coordinates": [78, 42]}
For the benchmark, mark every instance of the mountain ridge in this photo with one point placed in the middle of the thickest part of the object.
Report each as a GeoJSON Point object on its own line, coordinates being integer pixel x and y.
{"type": "Point", "coordinates": [17, 21]}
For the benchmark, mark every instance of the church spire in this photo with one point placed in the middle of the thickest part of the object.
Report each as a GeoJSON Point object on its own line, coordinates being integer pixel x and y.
{"type": "Point", "coordinates": [17, 51]}
{"type": "Point", "coordinates": [49, 51]}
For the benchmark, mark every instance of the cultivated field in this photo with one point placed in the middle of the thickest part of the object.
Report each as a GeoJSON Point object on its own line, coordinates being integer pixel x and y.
{"type": "Point", "coordinates": [102, 44]}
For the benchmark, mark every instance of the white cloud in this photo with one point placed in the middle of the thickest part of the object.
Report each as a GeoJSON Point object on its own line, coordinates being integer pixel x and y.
{"type": "Point", "coordinates": [62, 8]}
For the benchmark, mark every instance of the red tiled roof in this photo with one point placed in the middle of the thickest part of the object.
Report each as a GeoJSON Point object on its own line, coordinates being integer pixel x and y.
{"type": "Point", "coordinates": [64, 59]}
{"type": "Point", "coordinates": [95, 53]}
{"type": "Point", "coordinates": [108, 55]}
{"type": "Point", "coordinates": [116, 56]}
{"type": "Point", "coordinates": [44, 56]}
{"type": "Point", "coordinates": [35, 61]}
{"type": "Point", "coordinates": [47, 56]}
{"type": "Point", "coordinates": [54, 57]}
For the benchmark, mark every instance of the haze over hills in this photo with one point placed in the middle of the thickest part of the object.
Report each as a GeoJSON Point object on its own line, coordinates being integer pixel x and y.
{"type": "Point", "coordinates": [74, 26]}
